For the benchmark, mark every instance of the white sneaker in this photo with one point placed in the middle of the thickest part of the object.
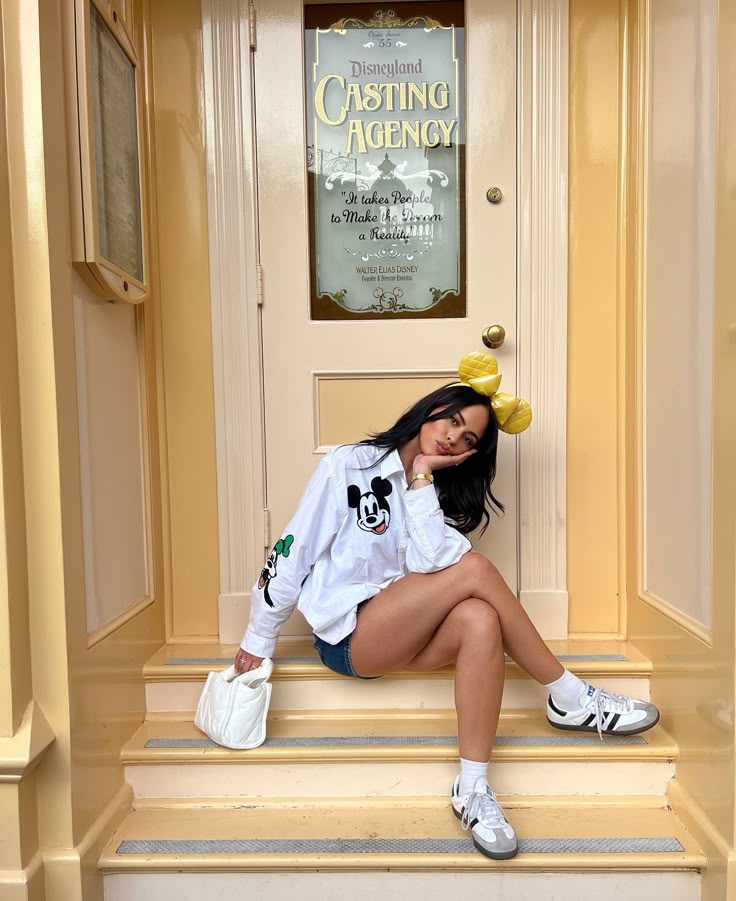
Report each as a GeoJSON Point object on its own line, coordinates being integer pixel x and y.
{"type": "Point", "coordinates": [606, 713]}
{"type": "Point", "coordinates": [479, 811]}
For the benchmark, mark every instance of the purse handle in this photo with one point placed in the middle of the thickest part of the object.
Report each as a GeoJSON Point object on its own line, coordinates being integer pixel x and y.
{"type": "Point", "coordinates": [253, 677]}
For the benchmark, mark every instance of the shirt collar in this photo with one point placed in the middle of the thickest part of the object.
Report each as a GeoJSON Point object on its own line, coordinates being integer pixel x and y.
{"type": "Point", "coordinates": [392, 464]}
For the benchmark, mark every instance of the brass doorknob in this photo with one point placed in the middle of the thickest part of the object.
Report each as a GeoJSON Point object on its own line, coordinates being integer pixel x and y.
{"type": "Point", "coordinates": [494, 336]}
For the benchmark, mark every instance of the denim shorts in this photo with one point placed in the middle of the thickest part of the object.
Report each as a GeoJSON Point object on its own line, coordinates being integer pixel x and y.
{"type": "Point", "coordinates": [337, 657]}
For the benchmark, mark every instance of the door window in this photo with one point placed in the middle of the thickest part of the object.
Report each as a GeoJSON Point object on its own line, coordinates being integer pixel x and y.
{"type": "Point", "coordinates": [385, 131]}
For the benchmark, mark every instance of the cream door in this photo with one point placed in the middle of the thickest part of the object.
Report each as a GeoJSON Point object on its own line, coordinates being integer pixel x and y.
{"type": "Point", "coordinates": [329, 382]}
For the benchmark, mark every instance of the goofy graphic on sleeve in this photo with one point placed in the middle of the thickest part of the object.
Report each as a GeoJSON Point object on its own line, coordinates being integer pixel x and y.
{"type": "Point", "coordinates": [282, 547]}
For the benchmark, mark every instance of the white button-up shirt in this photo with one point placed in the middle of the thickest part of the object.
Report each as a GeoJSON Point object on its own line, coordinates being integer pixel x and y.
{"type": "Point", "coordinates": [356, 531]}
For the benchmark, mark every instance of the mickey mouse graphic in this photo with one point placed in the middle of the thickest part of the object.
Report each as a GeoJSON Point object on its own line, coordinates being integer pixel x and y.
{"type": "Point", "coordinates": [374, 513]}
{"type": "Point", "coordinates": [282, 547]}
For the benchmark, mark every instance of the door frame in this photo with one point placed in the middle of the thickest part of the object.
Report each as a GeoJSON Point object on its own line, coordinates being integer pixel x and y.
{"type": "Point", "coordinates": [238, 288]}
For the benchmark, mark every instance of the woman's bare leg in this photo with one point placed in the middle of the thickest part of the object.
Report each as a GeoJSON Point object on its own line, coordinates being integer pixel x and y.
{"type": "Point", "coordinates": [470, 637]}
{"type": "Point", "coordinates": [400, 620]}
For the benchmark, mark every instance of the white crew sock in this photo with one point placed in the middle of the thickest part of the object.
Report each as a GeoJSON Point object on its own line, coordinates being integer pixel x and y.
{"type": "Point", "coordinates": [567, 691]}
{"type": "Point", "coordinates": [470, 771]}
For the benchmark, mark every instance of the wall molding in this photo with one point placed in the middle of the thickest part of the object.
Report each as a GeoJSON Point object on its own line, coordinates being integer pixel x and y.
{"type": "Point", "coordinates": [548, 612]}
{"type": "Point", "coordinates": [697, 821]}
{"type": "Point", "coordinates": [22, 752]}
{"type": "Point", "coordinates": [67, 870]}
{"type": "Point", "coordinates": [542, 280]}
{"type": "Point", "coordinates": [231, 207]}
{"type": "Point", "coordinates": [695, 628]}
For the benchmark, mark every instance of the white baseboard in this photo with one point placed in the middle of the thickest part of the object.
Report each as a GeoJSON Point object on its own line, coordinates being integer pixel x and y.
{"type": "Point", "coordinates": [548, 611]}
{"type": "Point", "coordinates": [233, 614]}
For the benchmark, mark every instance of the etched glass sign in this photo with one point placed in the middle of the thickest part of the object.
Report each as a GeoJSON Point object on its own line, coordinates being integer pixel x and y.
{"type": "Point", "coordinates": [385, 159]}
{"type": "Point", "coordinates": [116, 150]}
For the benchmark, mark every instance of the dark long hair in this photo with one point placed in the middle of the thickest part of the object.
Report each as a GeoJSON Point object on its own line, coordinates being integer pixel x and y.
{"type": "Point", "coordinates": [465, 494]}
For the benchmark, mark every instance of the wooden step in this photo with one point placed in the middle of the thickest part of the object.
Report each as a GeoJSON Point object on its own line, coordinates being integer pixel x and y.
{"type": "Point", "coordinates": [390, 753]}
{"type": "Point", "coordinates": [281, 849]}
{"type": "Point", "coordinates": [175, 674]}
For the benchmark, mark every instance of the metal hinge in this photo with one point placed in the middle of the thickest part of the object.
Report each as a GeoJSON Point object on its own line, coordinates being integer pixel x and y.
{"type": "Point", "coordinates": [267, 528]}
{"type": "Point", "coordinates": [259, 284]}
{"type": "Point", "coordinates": [252, 25]}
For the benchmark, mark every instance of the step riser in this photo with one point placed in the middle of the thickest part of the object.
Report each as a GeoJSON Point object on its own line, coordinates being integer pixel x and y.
{"type": "Point", "coordinates": [394, 779]}
{"type": "Point", "coordinates": [401, 886]}
{"type": "Point", "coordinates": [336, 694]}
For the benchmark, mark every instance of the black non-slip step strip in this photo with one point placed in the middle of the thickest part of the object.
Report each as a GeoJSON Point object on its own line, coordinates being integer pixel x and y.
{"type": "Point", "coordinates": [216, 661]}
{"type": "Point", "coordinates": [356, 741]}
{"type": "Point", "coordinates": [395, 846]}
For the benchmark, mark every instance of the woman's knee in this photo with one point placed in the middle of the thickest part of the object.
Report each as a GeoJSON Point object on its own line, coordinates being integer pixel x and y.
{"type": "Point", "coordinates": [478, 621]}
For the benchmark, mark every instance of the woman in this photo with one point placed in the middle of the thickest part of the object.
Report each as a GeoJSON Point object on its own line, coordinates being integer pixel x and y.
{"type": "Point", "coordinates": [377, 561]}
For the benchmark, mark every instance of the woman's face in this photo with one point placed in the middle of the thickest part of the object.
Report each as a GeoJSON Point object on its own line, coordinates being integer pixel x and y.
{"type": "Point", "coordinates": [455, 433]}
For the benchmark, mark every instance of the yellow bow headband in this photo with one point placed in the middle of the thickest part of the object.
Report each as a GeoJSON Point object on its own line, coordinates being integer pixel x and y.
{"type": "Point", "coordinates": [479, 371]}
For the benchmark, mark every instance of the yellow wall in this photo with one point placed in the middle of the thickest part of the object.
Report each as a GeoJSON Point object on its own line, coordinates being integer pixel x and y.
{"type": "Point", "coordinates": [185, 318]}
{"type": "Point", "coordinates": [592, 551]}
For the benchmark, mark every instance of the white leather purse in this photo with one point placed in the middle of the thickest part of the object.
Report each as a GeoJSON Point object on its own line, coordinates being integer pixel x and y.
{"type": "Point", "coordinates": [232, 709]}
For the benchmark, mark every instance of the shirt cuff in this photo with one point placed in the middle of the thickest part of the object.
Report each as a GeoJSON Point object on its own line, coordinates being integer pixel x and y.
{"type": "Point", "coordinates": [423, 500]}
{"type": "Point", "coordinates": [258, 645]}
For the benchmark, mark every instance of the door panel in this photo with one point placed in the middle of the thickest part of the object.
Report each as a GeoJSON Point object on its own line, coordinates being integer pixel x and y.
{"type": "Point", "coordinates": [320, 376]}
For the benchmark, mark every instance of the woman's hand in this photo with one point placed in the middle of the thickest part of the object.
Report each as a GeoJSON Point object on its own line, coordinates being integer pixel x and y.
{"type": "Point", "coordinates": [245, 661]}
{"type": "Point", "coordinates": [427, 463]}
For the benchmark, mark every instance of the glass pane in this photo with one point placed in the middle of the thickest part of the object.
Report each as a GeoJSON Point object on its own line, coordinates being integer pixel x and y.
{"type": "Point", "coordinates": [116, 150]}
{"type": "Point", "coordinates": [385, 160]}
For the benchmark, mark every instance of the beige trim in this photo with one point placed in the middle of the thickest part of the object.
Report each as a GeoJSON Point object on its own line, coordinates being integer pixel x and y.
{"type": "Point", "coordinates": [377, 804]}
{"type": "Point", "coordinates": [234, 609]}
{"type": "Point", "coordinates": [718, 852]}
{"type": "Point", "coordinates": [98, 635]}
{"type": "Point", "coordinates": [596, 636]}
{"type": "Point", "coordinates": [565, 863]}
{"type": "Point", "coordinates": [107, 821]}
{"type": "Point", "coordinates": [24, 877]}
{"type": "Point", "coordinates": [157, 431]}
{"type": "Point", "coordinates": [66, 867]}
{"type": "Point", "coordinates": [542, 141]}
{"type": "Point", "coordinates": [678, 617]}
{"type": "Point", "coordinates": [22, 753]}
{"type": "Point", "coordinates": [194, 639]}
{"type": "Point", "coordinates": [234, 276]}
{"type": "Point", "coordinates": [548, 611]}
{"type": "Point", "coordinates": [625, 130]}
{"type": "Point", "coordinates": [696, 820]}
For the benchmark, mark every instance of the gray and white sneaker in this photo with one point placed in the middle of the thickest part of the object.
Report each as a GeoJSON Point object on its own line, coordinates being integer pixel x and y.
{"type": "Point", "coordinates": [480, 812]}
{"type": "Point", "coordinates": [606, 713]}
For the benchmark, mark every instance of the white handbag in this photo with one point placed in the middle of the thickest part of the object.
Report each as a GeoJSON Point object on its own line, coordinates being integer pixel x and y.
{"type": "Point", "coordinates": [232, 709]}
